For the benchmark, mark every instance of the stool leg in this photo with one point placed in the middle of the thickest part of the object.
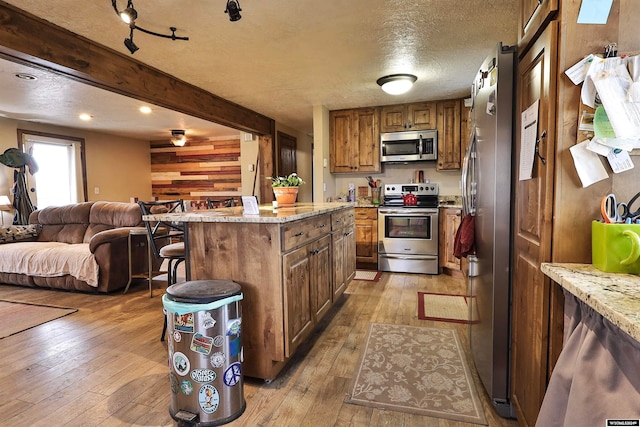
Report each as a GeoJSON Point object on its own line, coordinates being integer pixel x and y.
{"type": "Point", "coordinates": [164, 329]}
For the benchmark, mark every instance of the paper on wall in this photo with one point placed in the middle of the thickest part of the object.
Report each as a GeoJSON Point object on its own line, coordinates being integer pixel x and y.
{"type": "Point", "coordinates": [619, 160]}
{"type": "Point", "coordinates": [528, 136]}
{"type": "Point", "coordinates": [588, 165]}
{"type": "Point", "coordinates": [578, 71]}
{"type": "Point", "coordinates": [594, 11]}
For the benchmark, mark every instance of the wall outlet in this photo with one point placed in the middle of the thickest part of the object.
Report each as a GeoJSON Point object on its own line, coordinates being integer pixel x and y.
{"type": "Point", "coordinates": [250, 167]}
{"type": "Point", "coordinates": [324, 186]}
{"type": "Point", "coordinates": [96, 190]}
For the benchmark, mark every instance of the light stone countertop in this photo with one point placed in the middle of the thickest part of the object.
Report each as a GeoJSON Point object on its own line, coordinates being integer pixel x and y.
{"type": "Point", "coordinates": [267, 213]}
{"type": "Point", "coordinates": [615, 296]}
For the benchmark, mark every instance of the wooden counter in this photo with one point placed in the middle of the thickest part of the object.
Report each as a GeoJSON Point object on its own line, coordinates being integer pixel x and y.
{"type": "Point", "coordinates": [614, 296]}
{"type": "Point", "coordinates": [292, 264]}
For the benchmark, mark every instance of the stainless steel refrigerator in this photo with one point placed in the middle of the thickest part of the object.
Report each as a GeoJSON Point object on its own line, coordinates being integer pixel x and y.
{"type": "Point", "coordinates": [487, 194]}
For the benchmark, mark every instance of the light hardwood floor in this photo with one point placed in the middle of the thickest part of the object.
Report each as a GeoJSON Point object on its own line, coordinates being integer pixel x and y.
{"type": "Point", "coordinates": [105, 366]}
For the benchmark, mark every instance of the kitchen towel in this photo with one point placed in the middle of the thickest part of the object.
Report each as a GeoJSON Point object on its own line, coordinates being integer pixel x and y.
{"type": "Point", "coordinates": [465, 243]}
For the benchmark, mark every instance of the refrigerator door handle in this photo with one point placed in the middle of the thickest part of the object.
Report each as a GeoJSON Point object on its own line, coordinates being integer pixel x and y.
{"type": "Point", "coordinates": [467, 186]}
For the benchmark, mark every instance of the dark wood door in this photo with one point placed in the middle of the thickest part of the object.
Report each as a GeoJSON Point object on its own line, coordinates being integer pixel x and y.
{"type": "Point", "coordinates": [532, 233]}
{"type": "Point", "coordinates": [287, 162]}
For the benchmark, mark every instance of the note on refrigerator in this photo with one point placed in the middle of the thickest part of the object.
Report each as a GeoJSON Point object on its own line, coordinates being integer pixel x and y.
{"type": "Point", "coordinates": [528, 137]}
{"type": "Point", "coordinates": [588, 165]}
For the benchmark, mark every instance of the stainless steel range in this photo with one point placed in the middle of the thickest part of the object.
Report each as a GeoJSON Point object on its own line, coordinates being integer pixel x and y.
{"type": "Point", "coordinates": [408, 232]}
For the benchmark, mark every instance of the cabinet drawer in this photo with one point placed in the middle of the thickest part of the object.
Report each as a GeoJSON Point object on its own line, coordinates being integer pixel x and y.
{"type": "Point", "coordinates": [366, 213]}
{"type": "Point", "coordinates": [342, 219]}
{"type": "Point", "coordinates": [303, 231]}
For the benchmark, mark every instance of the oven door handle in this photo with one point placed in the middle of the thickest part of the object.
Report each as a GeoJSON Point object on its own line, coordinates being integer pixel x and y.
{"type": "Point", "coordinates": [409, 257]}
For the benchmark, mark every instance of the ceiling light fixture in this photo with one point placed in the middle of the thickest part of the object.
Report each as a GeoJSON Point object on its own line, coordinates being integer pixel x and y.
{"type": "Point", "coordinates": [145, 109]}
{"type": "Point", "coordinates": [233, 9]}
{"type": "Point", "coordinates": [129, 16]}
{"type": "Point", "coordinates": [178, 137]}
{"type": "Point", "coordinates": [396, 84]}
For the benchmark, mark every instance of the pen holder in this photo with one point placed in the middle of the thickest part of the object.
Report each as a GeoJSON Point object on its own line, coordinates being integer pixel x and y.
{"type": "Point", "coordinates": [615, 248]}
{"type": "Point", "coordinates": [375, 195]}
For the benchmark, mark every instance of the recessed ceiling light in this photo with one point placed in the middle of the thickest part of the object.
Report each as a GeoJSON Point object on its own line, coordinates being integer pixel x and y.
{"type": "Point", "coordinates": [85, 117]}
{"type": "Point", "coordinates": [25, 76]}
{"type": "Point", "coordinates": [145, 110]}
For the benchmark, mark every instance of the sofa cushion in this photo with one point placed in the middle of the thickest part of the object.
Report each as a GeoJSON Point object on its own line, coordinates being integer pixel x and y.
{"type": "Point", "coordinates": [108, 215]}
{"type": "Point", "coordinates": [15, 233]}
{"type": "Point", "coordinates": [66, 224]}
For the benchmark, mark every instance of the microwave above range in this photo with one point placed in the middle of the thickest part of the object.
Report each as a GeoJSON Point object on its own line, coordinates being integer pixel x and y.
{"type": "Point", "coordinates": [409, 146]}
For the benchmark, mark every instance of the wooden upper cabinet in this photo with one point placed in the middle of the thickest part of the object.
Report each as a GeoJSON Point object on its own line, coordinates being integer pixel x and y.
{"type": "Point", "coordinates": [355, 140]}
{"type": "Point", "coordinates": [415, 116]}
{"type": "Point", "coordinates": [534, 16]}
{"type": "Point", "coordinates": [448, 125]}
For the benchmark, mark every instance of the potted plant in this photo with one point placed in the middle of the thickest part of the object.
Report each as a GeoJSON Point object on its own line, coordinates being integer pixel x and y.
{"type": "Point", "coordinates": [285, 188]}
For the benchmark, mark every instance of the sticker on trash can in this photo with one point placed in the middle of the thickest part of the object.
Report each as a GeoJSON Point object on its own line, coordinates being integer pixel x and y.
{"type": "Point", "coordinates": [201, 344]}
{"type": "Point", "coordinates": [203, 376]}
{"type": "Point", "coordinates": [181, 363]}
{"type": "Point", "coordinates": [217, 359]}
{"type": "Point", "coordinates": [234, 347]}
{"type": "Point", "coordinates": [208, 321]}
{"type": "Point", "coordinates": [218, 341]}
{"type": "Point", "coordinates": [177, 336]}
{"type": "Point", "coordinates": [233, 328]}
{"type": "Point", "coordinates": [208, 398]}
{"type": "Point", "coordinates": [233, 374]}
{"type": "Point", "coordinates": [186, 387]}
{"type": "Point", "coordinates": [183, 322]}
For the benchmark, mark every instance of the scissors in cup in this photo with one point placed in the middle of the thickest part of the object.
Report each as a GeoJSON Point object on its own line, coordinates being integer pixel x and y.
{"type": "Point", "coordinates": [612, 211]}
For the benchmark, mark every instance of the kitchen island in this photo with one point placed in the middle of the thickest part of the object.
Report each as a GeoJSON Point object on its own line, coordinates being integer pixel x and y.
{"type": "Point", "coordinates": [596, 376]}
{"type": "Point", "coordinates": [292, 263]}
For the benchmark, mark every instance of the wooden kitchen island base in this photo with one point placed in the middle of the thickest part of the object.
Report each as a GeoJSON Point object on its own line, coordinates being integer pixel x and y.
{"type": "Point", "coordinates": [292, 265]}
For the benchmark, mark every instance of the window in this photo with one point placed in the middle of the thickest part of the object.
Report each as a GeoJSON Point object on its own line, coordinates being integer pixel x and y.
{"type": "Point", "coordinates": [60, 179]}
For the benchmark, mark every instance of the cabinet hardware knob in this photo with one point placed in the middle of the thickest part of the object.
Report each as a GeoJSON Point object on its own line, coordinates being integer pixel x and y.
{"type": "Point", "coordinates": [299, 234]}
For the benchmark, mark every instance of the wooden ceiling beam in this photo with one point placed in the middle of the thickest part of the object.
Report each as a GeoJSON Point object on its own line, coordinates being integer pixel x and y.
{"type": "Point", "coordinates": [27, 39]}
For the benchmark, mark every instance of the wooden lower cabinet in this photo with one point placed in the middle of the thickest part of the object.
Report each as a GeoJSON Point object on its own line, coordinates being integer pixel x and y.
{"type": "Point", "coordinates": [366, 235]}
{"type": "Point", "coordinates": [286, 272]}
{"type": "Point", "coordinates": [449, 223]}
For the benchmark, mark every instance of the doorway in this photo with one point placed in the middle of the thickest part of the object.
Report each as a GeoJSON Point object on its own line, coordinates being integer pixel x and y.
{"type": "Point", "coordinates": [61, 176]}
{"type": "Point", "coordinates": [286, 147]}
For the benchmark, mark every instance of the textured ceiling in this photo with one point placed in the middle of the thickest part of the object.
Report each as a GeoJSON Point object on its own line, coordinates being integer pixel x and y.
{"type": "Point", "coordinates": [285, 56]}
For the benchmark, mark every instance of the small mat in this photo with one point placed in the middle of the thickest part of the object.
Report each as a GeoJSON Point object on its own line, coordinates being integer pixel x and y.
{"type": "Point", "coordinates": [417, 370]}
{"type": "Point", "coordinates": [368, 275]}
{"type": "Point", "coordinates": [445, 308]}
{"type": "Point", "coordinates": [17, 317]}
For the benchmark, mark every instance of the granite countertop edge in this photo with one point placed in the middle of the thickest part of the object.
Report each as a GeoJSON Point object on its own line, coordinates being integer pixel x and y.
{"type": "Point", "coordinates": [615, 296]}
{"type": "Point", "coordinates": [268, 214]}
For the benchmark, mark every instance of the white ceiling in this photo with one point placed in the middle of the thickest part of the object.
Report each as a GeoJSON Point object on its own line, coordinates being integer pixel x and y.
{"type": "Point", "coordinates": [282, 58]}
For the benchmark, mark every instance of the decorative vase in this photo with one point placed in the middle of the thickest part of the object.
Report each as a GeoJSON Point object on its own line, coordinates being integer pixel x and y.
{"type": "Point", "coordinates": [285, 196]}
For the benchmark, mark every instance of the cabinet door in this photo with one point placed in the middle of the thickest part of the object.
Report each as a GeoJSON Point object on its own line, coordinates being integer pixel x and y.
{"type": "Point", "coordinates": [393, 118]}
{"type": "Point", "coordinates": [532, 232]}
{"type": "Point", "coordinates": [366, 239]}
{"type": "Point", "coordinates": [342, 134]}
{"type": "Point", "coordinates": [350, 253]}
{"type": "Point", "coordinates": [450, 221]}
{"type": "Point", "coordinates": [421, 115]}
{"type": "Point", "coordinates": [534, 15]}
{"type": "Point", "coordinates": [339, 263]}
{"type": "Point", "coordinates": [366, 155]}
{"type": "Point", "coordinates": [449, 135]}
{"type": "Point", "coordinates": [297, 295]}
{"type": "Point", "coordinates": [321, 283]}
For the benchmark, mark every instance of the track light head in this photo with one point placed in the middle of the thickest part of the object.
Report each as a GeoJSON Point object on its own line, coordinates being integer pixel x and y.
{"type": "Point", "coordinates": [178, 137]}
{"type": "Point", "coordinates": [130, 44]}
{"type": "Point", "coordinates": [233, 9]}
{"type": "Point", "coordinates": [129, 15]}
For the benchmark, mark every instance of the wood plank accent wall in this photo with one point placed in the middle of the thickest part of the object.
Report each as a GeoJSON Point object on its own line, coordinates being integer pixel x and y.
{"type": "Point", "coordinates": [200, 169]}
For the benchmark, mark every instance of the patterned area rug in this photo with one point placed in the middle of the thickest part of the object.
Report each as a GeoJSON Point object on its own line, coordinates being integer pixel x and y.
{"type": "Point", "coordinates": [368, 275]}
{"type": "Point", "coordinates": [445, 308]}
{"type": "Point", "coordinates": [17, 317]}
{"type": "Point", "coordinates": [418, 370]}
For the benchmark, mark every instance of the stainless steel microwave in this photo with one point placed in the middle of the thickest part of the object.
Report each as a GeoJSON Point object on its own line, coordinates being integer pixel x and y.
{"type": "Point", "coordinates": [409, 146]}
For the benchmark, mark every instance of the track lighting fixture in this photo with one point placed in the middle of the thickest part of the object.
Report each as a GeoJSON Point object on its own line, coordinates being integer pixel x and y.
{"type": "Point", "coordinates": [397, 84]}
{"type": "Point", "coordinates": [178, 137]}
{"type": "Point", "coordinates": [129, 16]}
{"type": "Point", "coordinates": [233, 9]}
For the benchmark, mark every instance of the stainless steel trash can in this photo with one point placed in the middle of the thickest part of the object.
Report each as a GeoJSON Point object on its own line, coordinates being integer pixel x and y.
{"type": "Point", "coordinates": [204, 321]}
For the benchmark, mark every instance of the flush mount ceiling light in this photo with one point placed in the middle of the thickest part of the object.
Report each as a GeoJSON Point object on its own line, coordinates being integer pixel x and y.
{"type": "Point", "coordinates": [233, 9]}
{"type": "Point", "coordinates": [178, 137]}
{"type": "Point", "coordinates": [129, 16]}
{"type": "Point", "coordinates": [396, 84]}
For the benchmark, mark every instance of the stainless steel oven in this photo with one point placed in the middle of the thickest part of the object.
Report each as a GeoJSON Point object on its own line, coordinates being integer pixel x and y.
{"type": "Point", "coordinates": [408, 235]}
